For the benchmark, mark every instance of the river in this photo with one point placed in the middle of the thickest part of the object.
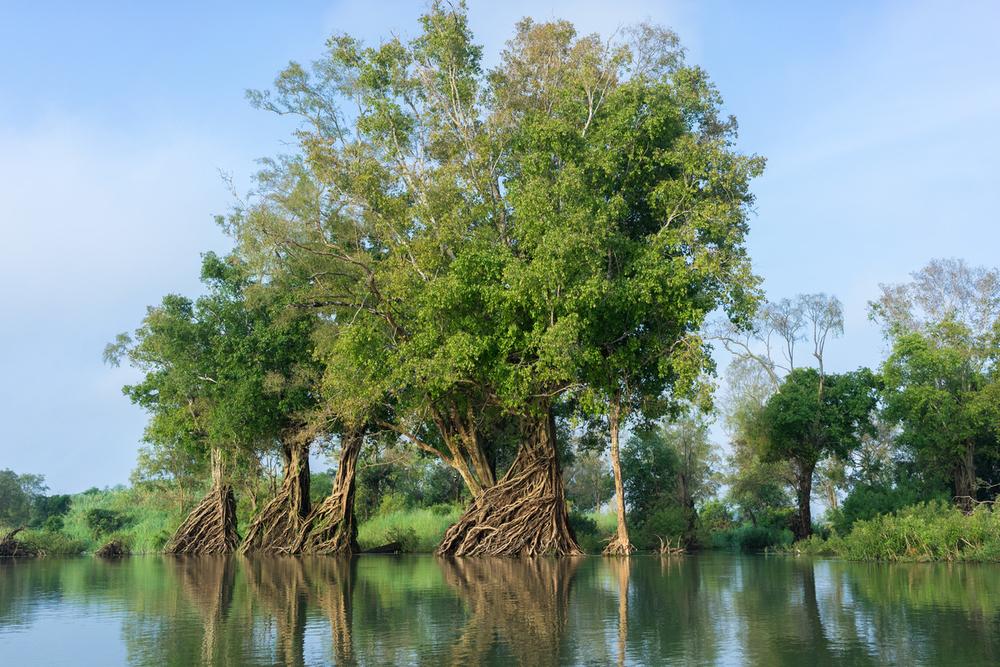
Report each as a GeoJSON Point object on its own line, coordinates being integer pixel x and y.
{"type": "Point", "coordinates": [712, 609]}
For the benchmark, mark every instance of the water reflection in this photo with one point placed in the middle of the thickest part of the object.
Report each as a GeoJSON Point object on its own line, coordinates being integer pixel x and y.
{"type": "Point", "coordinates": [705, 610]}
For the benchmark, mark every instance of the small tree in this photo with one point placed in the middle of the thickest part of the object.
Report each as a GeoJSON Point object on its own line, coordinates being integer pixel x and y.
{"type": "Point", "coordinates": [811, 417]}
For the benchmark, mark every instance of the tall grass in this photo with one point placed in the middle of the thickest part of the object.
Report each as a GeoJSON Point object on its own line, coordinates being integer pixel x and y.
{"type": "Point", "coordinates": [416, 529]}
{"type": "Point", "coordinates": [150, 519]}
{"type": "Point", "coordinates": [933, 531]}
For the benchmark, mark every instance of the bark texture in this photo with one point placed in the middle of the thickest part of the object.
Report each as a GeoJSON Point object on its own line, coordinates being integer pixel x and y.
{"type": "Point", "coordinates": [277, 527]}
{"type": "Point", "coordinates": [331, 527]}
{"type": "Point", "coordinates": [524, 514]}
{"type": "Point", "coordinates": [210, 528]}
{"type": "Point", "coordinates": [620, 545]}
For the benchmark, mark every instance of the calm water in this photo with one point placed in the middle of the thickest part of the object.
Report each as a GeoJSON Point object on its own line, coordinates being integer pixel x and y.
{"type": "Point", "coordinates": [381, 610]}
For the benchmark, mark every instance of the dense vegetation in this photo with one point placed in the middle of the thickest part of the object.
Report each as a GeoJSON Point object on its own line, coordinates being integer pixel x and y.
{"type": "Point", "coordinates": [467, 285]}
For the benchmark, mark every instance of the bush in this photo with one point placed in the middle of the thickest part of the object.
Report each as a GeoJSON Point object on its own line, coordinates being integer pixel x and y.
{"type": "Point", "coordinates": [588, 536]}
{"type": "Point", "coordinates": [754, 539]}
{"type": "Point", "coordinates": [868, 501]}
{"type": "Point", "coordinates": [669, 522]}
{"type": "Point", "coordinates": [53, 524]}
{"type": "Point", "coordinates": [105, 521]}
{"type": "Point", "coordinates": [53, 543]}
{"type": "Point", "coordinates": [405, 536]}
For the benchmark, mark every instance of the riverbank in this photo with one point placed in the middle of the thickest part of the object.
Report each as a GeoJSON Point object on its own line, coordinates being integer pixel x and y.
{"type": "Point", "coordinates": [924, 532]}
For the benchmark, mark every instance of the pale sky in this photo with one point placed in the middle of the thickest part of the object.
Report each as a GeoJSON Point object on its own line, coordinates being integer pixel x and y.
{"type": "Point", "coordinates": [116, 119]}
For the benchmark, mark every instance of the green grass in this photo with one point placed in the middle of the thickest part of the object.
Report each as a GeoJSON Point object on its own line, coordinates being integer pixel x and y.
{"type": "Point", "coordinates": [607, 522]}
{"type": "Point", "coordinates": [418, 529]}
{"type": "Point", "coordinates": [150, 519]}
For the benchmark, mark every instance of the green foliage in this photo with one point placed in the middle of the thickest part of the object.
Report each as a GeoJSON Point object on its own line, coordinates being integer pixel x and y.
{"type": "Point", "coordinates": [230, 371]}
{"type": "Point", "coordinates": [866, 501]}
{"type": "Point", "coordinates": [924, 532]}
{"type": "Point", "coordinates": [588, 534]}
{"type": "Point", "coordinates": [103, 522]}
{"type": "Point", "coordinates": [754, 539]}
{"type": "Point", "coordinates": [52, 542]}
{"type": "Point", "coordinates": [813, 416]}
{"type": "Point", "coordinates": [151, 517]}
{"type": "Point", "coordinates": [670, 522]}
{"type": "Point", "coordinates": [18, 495]}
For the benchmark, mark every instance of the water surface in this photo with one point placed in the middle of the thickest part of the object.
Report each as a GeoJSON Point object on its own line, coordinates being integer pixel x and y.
{"type": "Point", "coordinates": [714, 609]}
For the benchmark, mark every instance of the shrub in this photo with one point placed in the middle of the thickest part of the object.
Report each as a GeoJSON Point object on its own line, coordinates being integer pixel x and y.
{"type": "Point", "coordinates": [669, 522]}
{"type": "Point", "coordinates": [104, 521]}
{"type": "Point", "coordinates": [405, 536]}
{"type": "Point", "coordinates": [588, 535]}
{"type": "Point", "coordinates": [754, 539]}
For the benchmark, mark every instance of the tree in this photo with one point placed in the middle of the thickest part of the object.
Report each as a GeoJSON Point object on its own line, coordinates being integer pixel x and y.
{"type": "Point", "coordinates": [226, 379]}
{"type": "Point", "coordinates": [764, 353]}
{"type": "Point", "coordinates": [18, 494]}
{"type": "Point", "coordinates": [588, 483]}
{"type": "Point", "coordinates": [939, 390]}
{"type": "Point", "coordinates": [813, 416]}
{"type": "Point", "coordinates": [941, 372]}
{"type": "Point", "coordinates": [469, 235]}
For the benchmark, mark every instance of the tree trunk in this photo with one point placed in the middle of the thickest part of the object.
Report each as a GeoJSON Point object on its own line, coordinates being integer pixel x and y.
{"type": "Point", "coordinates": [210, 528]}
{"type": "Point", "coordinates": [278, 525]}
{"type": "Point", "coordinates": [524, 514]}
{"type": "Point", "coordinates": [965, 479]}
{"type": "Point", "coordinates": [331, 527]}
{"type": "Point", "coordinates": [803, 494]}
{"type": "Point", "coordinates": [620, 544]}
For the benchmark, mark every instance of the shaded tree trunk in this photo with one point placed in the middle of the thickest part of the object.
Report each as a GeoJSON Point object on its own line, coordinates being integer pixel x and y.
{"type": "Point", "coordinates": [278, 525]}
{"type": "Point", "coordinates": [620, 544]}
{"type": "Point", "coordinates": [331, 527]}
{"type": "Point", "coordinates": [803, 496]}
{"type": "Point", "coordinates": [524, 514]}
{"type": "Point", "coordinates": [210, 528]}
{"type": "Point", "coordinates": [965, 479]}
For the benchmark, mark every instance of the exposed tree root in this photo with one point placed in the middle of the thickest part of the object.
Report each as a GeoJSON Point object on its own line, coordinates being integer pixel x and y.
{"type": "Point", "coordinates": [277, 527]}
{"type": "Point", "coordinates": [668, 549]}
{"type": "Point", "coordinates": [113, 549]}
{"type": "Point", "coordinates": [210, 528]}
{"type": "Point", "coordinates": [11, 548]}
{"type": "Point", "coordinates": [524, 514]}
{"type": "Point", "coordinates": [331, 528]}
{"type": "Point", "coordinates": [617, 547]}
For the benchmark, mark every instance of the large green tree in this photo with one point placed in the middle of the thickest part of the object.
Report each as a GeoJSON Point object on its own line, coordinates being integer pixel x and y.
{"type": "Point", "coordinates": [485, 243]}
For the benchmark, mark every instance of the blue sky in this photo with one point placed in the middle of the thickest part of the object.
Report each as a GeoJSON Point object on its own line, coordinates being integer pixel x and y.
{"type": "Point", "coordinates": [116, 118]}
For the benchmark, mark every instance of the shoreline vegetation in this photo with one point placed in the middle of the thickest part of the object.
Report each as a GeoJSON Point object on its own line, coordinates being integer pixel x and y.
{"type": "Point", "coordinates": [491, 298]}
{"type": "Point", "coordinates": [934, 531]}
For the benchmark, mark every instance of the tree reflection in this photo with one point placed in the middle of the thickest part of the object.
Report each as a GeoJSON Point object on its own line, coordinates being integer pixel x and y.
{"type": "Point", "coordinates": [522, 603]}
